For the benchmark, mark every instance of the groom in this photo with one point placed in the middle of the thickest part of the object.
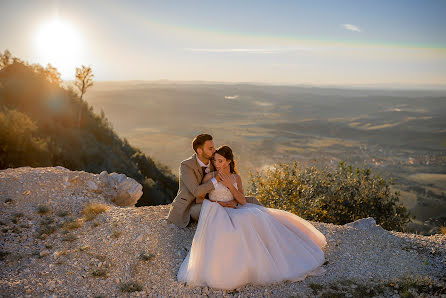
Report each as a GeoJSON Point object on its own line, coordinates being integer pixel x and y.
{"type": "Point", "coordinates": [192, 171]}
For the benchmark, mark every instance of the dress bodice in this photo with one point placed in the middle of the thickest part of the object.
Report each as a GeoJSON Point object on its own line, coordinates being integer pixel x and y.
{"type": "Point", "coordinates": [221, 192]}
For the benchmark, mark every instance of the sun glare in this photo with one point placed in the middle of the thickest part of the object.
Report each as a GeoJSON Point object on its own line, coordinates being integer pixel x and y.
{"type": "Point", "coordinates": [59, 44]}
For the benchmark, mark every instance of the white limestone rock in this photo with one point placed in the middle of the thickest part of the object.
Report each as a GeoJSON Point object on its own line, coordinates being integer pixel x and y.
{"type": "Point", "coordinates": [363, 224]}
{"type": "Point", "coordinates": [122, 190]}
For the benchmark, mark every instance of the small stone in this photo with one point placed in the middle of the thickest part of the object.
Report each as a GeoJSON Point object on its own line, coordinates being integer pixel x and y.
{"type": "Point", "coordinates": [139, 237]}
{"type": "Point", "coordinates": [91, 185]}
{"type": "Point", "coordinates": [51, 284]}
{"type": "Point", "coordinates": [44, 252]}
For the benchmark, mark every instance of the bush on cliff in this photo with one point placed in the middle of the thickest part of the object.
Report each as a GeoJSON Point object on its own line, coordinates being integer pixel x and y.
{"type": "Point", "coordinates": [337, 197]}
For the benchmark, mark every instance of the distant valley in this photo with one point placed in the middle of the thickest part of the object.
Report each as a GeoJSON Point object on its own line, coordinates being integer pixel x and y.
{"type": "Point", "coordinates": [397, 133]}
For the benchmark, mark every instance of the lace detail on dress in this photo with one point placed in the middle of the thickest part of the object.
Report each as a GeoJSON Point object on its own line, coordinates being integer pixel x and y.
{"type": "Point", "coordinates": [222, 193]}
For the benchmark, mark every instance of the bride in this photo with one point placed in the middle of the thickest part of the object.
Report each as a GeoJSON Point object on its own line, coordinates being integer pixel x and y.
{"type": "Point", "coordinates": [249, 244]}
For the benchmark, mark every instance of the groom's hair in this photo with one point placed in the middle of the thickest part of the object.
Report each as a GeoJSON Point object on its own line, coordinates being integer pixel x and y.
{"type": "Point", "coordinates": [199, 140]}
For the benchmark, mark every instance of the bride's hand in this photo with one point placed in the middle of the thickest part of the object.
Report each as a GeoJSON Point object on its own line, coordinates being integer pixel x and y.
{"type": "Point", "coordinates": [230, 204]}
{"type": "Point", "coordinates": [225, 179]}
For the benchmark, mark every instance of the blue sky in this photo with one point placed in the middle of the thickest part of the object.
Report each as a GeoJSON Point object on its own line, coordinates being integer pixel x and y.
{"type": "Point", "coordinates": [399, 43]}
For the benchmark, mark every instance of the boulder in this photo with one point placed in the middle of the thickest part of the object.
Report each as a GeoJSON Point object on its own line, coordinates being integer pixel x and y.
{"type": "Point", "coordinates": [122, 190]}
{"type": "Point", "coordinates": [363, 224]}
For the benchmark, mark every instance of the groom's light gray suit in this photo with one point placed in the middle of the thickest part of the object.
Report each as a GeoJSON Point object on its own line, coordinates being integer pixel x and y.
{"type": "Point", "coordinates": [190, 188]}
{"type": "Point", "coordinates": [191, 175]}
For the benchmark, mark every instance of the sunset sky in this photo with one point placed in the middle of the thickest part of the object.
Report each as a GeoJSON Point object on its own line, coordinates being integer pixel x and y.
{"type": "Point", "coordinates": [399, 43]}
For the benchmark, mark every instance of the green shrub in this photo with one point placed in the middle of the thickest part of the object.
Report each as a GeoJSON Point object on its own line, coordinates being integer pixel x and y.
{"type": "Point", "coordinates": [320, 194]}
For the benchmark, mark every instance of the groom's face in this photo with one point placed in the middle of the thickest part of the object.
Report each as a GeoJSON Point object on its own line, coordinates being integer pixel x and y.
{"type": "Point", "coordinates": [208, 149]}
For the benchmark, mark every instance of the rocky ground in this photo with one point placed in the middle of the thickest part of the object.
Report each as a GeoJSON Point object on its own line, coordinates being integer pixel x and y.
{"type": "Point", "coordinates": [63, 234]}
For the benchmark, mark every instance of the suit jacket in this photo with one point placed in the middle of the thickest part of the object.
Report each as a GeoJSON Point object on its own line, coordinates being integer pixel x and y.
{"type": "Point", "coordinates": [190, 188]}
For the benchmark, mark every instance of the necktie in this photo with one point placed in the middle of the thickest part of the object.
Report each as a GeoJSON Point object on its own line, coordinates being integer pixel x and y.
{"type": "Point", "coordinates": [204, 172]}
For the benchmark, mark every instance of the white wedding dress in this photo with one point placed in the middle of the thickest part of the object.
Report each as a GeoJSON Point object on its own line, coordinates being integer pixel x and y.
{"type": "Point", "coordinates": [250, 244]}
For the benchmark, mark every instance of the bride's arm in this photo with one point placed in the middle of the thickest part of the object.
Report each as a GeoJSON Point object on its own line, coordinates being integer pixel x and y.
{"type": "Point", "coordinates": [240, 190]}
{"type": "Point", "coordinates": [236, 193]}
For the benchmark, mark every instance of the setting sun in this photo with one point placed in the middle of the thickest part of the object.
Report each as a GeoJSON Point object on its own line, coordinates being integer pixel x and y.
{"type": "Point", "coordinates": [59, 44]}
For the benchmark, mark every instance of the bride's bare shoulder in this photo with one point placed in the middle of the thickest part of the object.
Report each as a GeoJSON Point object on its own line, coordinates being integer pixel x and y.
{"type": "Point", "coordinates": [237, 176]}
{"type": "Point", "coordinates": [238, 179]}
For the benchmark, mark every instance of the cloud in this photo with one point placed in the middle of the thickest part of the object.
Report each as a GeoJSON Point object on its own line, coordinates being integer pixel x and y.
{"type": "Point", "coordinates": [263, 104]}
{"type": "Point", "coordinates": [351, 27]}
{"type": "Point", "coordinates": [251, 51]}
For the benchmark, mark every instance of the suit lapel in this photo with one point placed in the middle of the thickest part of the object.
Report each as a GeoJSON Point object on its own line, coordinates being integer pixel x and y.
{"type": "Point", "coordinates": [194, 164]}
{"type": "Point", "coordinates": [199, 168]}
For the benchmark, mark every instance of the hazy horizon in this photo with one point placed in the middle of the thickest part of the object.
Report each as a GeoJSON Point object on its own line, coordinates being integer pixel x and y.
{"type": "Point", "coordinates": [371, 87]}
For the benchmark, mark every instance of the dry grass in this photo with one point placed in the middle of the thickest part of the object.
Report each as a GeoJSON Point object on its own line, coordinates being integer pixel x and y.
{"type": "Point", "coordinates": [145, 256]}
{"type": "Point", "coordinates": [64, 252]}
{"type": "Point", "coordinates": [73, 224]}
{"type": "Point", "coordinates": [91, 210]}
{"type": "Point", "coordinates": [47, 227]}
{"type": "Point", "coordinates": [43, 209]}
{"type": "Point", "coordinates": [130, 287]}
{"type": "Point", "coordinates": [116, 234]}
{"type": "Point", "coordinates": [443, 230]}
{"type": "Point", "coordinates": [70, 238]}
{"type": "Point", "coordinates": [99, 272]}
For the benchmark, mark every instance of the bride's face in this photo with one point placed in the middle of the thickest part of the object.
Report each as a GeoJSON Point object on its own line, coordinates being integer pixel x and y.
{"type": "Point", "coordinates": [220, 162]}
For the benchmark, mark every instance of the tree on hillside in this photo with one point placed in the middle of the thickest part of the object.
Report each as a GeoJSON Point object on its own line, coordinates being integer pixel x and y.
{"type": "Point", "coordinates": [5, 59]}
{"type": "Point", "coordinates": [52, 74]}
{"type": "Point", "coordinates": [84, 80]}
{"type": "Point", "coordinates": [19, 143]}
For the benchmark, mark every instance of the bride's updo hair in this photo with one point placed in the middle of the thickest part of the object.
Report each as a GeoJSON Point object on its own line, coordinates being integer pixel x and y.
{"type": "Point", "coordinates": [226, 152]}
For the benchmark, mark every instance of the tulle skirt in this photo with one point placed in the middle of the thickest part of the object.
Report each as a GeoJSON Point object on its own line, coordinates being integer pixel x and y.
{"type": "Point", "coordinates": [251, 244]}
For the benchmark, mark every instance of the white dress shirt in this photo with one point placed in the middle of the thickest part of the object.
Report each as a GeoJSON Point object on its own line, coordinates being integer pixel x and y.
{"type": "Point", "coordinates": [214, 181]}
